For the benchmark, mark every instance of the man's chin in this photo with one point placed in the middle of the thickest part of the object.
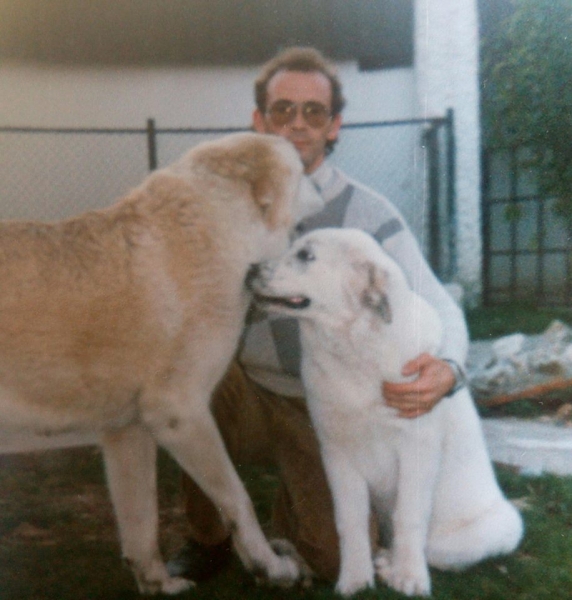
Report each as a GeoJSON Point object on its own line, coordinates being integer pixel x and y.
{"type": "Point", "coordinates": [302, 147]}
{"type": "Point", "coordinates": [310, 160]}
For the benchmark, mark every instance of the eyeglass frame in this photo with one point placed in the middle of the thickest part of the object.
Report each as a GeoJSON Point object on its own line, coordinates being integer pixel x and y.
{"type": "Point", "coordinates": [295, 108]}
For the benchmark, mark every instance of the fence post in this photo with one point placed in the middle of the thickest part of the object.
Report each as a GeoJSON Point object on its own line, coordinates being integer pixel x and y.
{"type": "Point", "coordinates": [486, 157]}
{"type": "Point", "coordinates": [152, 144]}
{"type": "Point", "coordinates": [451, 191]}
{"type": "Point", "coordinates": [434, 218]}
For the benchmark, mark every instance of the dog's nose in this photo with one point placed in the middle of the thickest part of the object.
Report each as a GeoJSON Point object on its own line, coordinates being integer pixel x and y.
{"type": "Point", "coordinates": [252, 275]}
{"type": "Point", "coordinates": [259, 275]}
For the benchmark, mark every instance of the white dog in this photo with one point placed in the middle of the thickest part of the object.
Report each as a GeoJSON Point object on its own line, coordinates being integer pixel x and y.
{"type": "Point", "coordinates": [122, 321]}
{"type": "Point", "coordinates": [429, 479]}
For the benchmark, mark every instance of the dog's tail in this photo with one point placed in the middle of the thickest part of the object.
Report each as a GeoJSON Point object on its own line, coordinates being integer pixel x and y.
{"type": "Point", "coordinates": [497, 531]}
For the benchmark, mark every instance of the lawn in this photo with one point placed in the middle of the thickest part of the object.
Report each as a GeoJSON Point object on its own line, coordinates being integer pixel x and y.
{"type": "Point", "coordinates": [58, 541]}
{"type": "Point", "coordinates": [486, 323]}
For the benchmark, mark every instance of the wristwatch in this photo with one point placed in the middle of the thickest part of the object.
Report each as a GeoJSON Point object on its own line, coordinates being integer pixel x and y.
{"type": "Point", "coordinates": [459, 374]}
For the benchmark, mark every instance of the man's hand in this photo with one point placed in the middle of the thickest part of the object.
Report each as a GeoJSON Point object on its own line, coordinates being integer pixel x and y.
{"type": "Point", "coordinates": [435, 378]}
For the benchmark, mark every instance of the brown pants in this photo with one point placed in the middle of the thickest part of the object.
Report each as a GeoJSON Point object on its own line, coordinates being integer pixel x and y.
{"type": "Point", "coordinates": [262, 428]}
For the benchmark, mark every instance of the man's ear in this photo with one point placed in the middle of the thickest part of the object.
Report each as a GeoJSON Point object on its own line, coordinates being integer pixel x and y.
{"type": "Point", "coordinates": [374, 295]}
{"type": "Point", "coordinates": [254, 161]}
{"type": "Point", "coordinates": [258, 123]}
{"type": "Point", "coordinates": [334, 128]}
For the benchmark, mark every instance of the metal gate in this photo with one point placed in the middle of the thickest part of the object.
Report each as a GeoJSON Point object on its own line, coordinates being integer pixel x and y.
{"type": "Point", "coordinates": [527, 246]}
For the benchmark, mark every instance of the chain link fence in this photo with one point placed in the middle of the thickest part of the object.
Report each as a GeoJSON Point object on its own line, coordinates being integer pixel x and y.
{"type": "Point", "coordinates": [48, 174]}
{"type": "Point", "coordinates": [52, 174]}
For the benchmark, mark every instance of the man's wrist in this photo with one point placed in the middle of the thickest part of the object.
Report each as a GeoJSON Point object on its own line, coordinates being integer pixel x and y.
{"type": "Point", "coordinates": [459, 375]}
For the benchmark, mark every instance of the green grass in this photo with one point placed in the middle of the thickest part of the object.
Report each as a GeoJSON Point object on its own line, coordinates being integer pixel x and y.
{"type": "Point", "coordinates": [58, 539]}
{"type": "Point", "coordinates": [539, 570]}
{"type": "Point", "coordinates": [487, 323]}
{"type": "Point", "coordinates": [79, 558]}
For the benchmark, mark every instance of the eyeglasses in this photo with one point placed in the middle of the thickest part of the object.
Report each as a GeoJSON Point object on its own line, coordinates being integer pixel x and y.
{"type": "Point", "coordinates": [283, 112]}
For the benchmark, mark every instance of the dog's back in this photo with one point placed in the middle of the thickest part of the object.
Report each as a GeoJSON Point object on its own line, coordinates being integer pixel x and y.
{"type": "Point", "coordinates": [92, 306]}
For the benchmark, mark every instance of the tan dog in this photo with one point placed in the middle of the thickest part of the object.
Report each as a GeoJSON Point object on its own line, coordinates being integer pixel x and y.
{"type": "Point", "coordinates": [123, 320]}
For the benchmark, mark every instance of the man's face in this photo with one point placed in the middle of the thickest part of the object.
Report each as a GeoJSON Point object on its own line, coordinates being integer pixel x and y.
{"type": "Point", "coordinates": [300, 88]}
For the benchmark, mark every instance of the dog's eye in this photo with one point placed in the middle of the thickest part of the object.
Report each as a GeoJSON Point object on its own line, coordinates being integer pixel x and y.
{"type": "Point", "coordinates": [305, 255]}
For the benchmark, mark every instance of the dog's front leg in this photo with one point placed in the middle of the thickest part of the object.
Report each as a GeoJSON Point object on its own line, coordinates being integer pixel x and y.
{"type": "Point", "coordinates": [130, 459]}
{"type": "Point", "coordinates": [351, 510]}
{"type": "Point", "coordinates": [194, 441]}
{"type": "Point", "coordinates": [405, 567]}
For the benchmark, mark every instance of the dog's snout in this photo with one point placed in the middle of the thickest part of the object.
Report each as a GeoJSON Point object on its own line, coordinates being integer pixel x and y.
{"type": "Point", "coordinates": [252, 275]}
{"type": "Point", "coordinates": [266, 270]}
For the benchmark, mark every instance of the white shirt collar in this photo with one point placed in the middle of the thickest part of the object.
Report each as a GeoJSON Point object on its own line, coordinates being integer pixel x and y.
{"type": "Point", "coordinates": [322, 176]}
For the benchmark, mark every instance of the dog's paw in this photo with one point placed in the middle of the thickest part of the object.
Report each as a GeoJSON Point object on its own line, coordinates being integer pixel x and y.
{"type": "Point", "coordinates": [284, 547]}
{"type": "Point", "coordinates": [176, 585]}
{"type": "Point", "coordinates": [404, 577]}
{"type": "Point", "coordinates": [348, 586]}
{"type": "Point", "coordinates": [168, 585]}
{"type": "Point", "coordinates": [382, 561]}
{"type": "Point", "coordinates": [355, 576]}
{"type": "Point", "coordinates": [154, 579]}
{"type": "Point", "coordinates": [279, 571]}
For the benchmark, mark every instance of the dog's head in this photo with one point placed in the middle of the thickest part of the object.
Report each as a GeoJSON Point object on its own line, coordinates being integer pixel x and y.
{"type": "Point", "coordinates": [270, 167]}
{"type": "Point", "coordinates": [330, 276]}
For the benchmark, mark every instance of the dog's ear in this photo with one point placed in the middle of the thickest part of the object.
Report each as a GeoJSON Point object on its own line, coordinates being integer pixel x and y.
{"type": "Point", "coordinates": [254, 160]}
{"type": "Point", "coordinates": [374, 295]}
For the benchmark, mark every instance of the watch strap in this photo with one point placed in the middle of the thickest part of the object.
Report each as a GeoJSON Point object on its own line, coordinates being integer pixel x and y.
{"type": "Point", "coordinates": [460, 376]}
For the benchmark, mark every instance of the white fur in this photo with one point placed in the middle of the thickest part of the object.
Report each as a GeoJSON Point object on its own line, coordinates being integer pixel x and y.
{"type": "Point", "coordinates": [429, 479]}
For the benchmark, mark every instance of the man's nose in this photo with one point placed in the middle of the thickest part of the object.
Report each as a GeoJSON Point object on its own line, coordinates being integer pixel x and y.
{"type": "Point", "coordinates": [299, 122]}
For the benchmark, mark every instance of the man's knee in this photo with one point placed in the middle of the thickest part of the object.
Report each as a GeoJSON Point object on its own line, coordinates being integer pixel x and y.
{"type": "Point", "coordinates": [311, 529]}
{"type": "Point", "coordinates": [238, 408]}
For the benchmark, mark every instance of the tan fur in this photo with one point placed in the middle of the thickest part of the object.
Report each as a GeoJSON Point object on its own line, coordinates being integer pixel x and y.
{"type": "Point", "coordinates": [123, 320]}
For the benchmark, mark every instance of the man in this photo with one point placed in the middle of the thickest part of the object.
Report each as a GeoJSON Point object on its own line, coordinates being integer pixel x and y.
{"type": "Point", "coordinates": [259, 406]}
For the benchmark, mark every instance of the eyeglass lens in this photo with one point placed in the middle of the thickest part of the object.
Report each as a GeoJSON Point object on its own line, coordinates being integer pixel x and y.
{"type": "Point", "coordinates": [284, 112]}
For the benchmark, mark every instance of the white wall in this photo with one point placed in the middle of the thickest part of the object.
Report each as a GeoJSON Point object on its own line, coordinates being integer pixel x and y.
{"type": "Point", "coordinates": [51, 96]}
{"type": "Point", "coordinates": [447, 63]}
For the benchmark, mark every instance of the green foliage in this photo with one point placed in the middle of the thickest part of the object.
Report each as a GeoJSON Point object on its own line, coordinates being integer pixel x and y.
{"type": "Point", "coordinates": [526, 91]}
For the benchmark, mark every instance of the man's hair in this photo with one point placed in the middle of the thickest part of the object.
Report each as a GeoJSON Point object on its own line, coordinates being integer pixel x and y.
{"type": "Point", "coordinates": [299, 59]}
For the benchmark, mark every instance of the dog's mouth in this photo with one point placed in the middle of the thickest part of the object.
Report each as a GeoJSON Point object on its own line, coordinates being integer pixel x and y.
{"type": "Point", "coordinates": [291, 302]}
